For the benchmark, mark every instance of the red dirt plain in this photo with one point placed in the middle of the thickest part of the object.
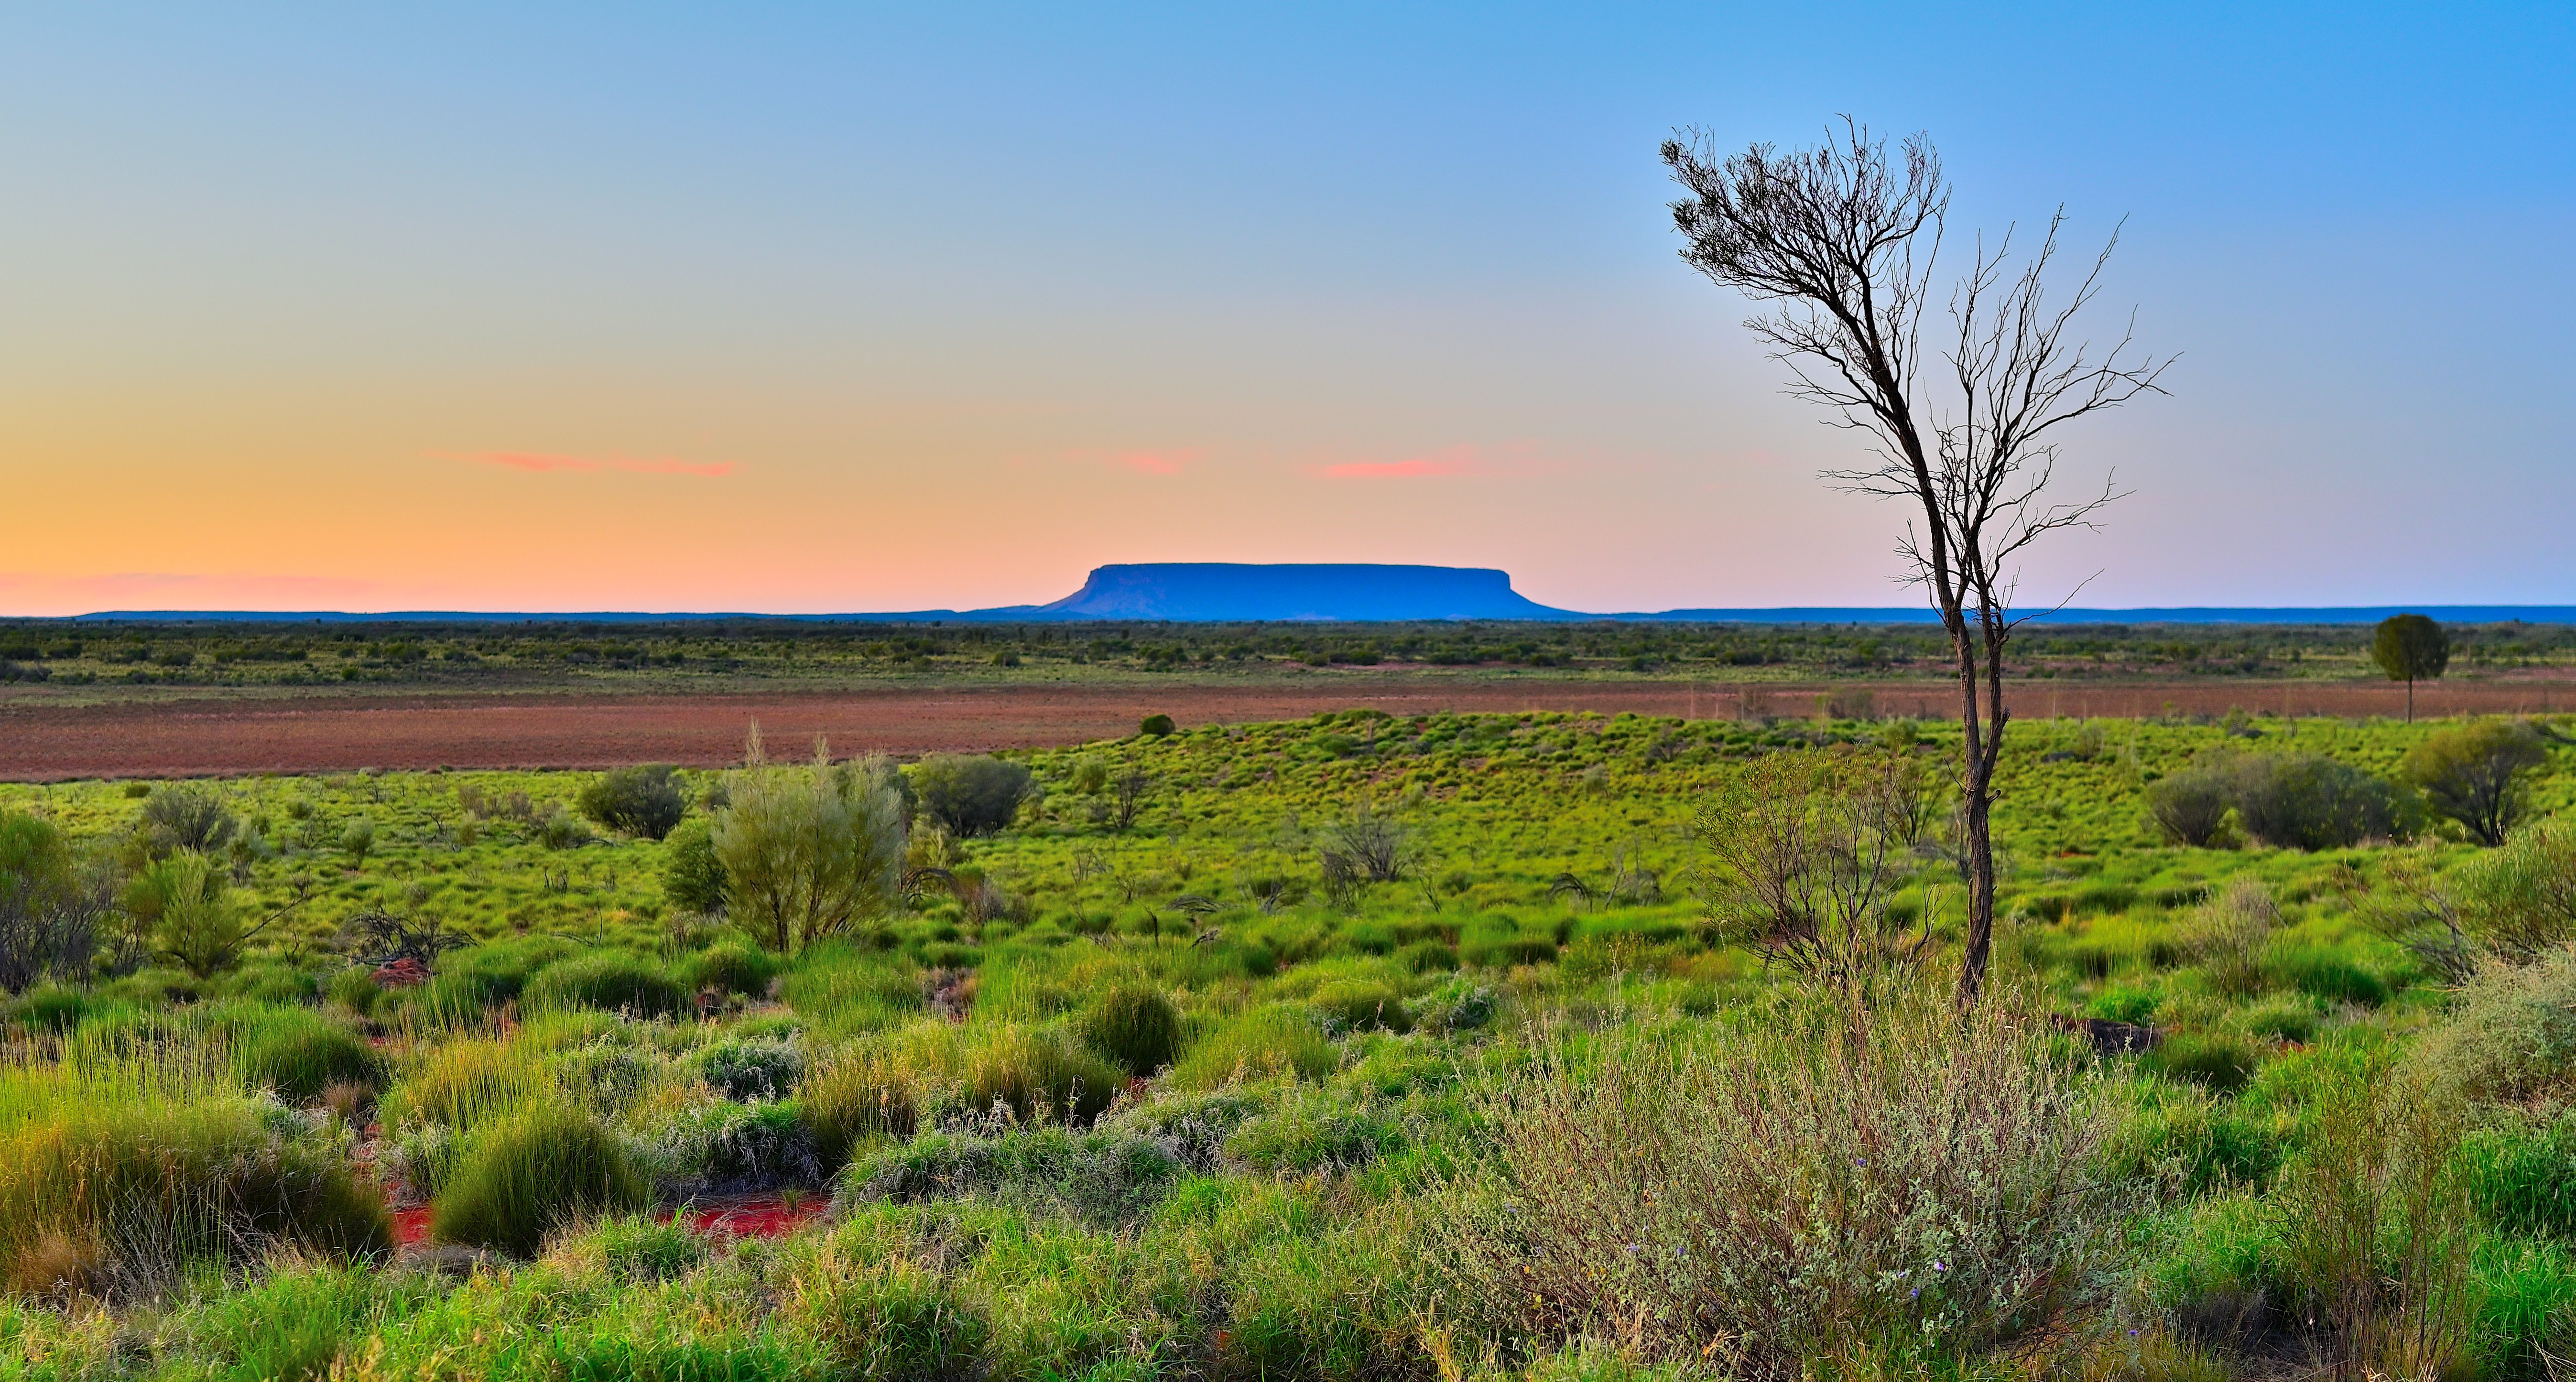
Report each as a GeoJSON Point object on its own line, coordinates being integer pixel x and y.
{"type": "Point", "coordinates": [218, 736]}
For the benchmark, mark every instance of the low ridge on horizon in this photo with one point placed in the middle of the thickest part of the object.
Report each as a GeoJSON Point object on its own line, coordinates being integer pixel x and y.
{"type": "Point", "coordinates": [1363, 592]}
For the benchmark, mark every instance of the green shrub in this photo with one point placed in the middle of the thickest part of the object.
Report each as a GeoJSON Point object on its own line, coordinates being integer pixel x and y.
{"type": "Point", "coordinates": [644, 800]}
{"type": "Point", "coordinates": [693, 877]}
{"type": "Point", "coordinates": [1428, 957]}
{"type": "Point", "coordinates": [1038, 1073]}
{"type": "Point", "coordinates": [2210, 1059]}
{"type": "Point", "coordinates": [49, 1011]}
{"type": "Point", "coordinates": [610, 983]}
{"type": "Point", "coordinates": [1102, 1177]}
{"type": "Point", "coordinates": [354, 988]}
{"type": "Point", "coordinates": [731, 1148]}
{"type": "Point", "coordinates": [186, 817]}
{"type": "Point", "coordinates": [1282, 1039]}
{"type": "Point", "coordinates": [809, 852]}
{"type": "Point", "coordinates": [1156, 726]}
{"type": "Point", "coordinates": [1134, 1025]}
{"type": "Point", "coordinates": [971, 794]}
{"type": "Point", "coordinates": [2328, 973]}
{"type": "Point", "coordinates": [1354, 1005]}
{"type": "Point", "coordinates": [2526, 1307]}
{"type": "Point", "coordinates": [2311, 802]}
{"type": "Point", "coordinates": [299, 1053]}
{"type": "Point", "coordinates": [2522, 1176]}
{"type": "Point", "coordinates": [2189, 807]}
{"type": "Point", "coordinates": [730, 967]}
{"type": "Point", "coordinates": [2476, 774]}
{"type": "Point", "coordinates": [634, 1250]}
{"type": "Point", "coordinates": [1312, 1132]}
{"type": "Point", "coordinates": [532, 1172]}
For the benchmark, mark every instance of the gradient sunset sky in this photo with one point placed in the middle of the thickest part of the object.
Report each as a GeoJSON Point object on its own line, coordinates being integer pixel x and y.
{"type": "Point", "coordinates": [767, 307]}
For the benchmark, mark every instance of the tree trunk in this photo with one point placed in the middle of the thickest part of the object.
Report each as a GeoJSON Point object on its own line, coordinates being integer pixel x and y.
{"type": "Point", "coordinates": [1981, 733]}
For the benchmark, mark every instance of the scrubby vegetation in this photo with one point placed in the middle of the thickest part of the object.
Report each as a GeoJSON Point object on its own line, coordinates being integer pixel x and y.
{"type": "Point", "coordinates": [1538, 1045]}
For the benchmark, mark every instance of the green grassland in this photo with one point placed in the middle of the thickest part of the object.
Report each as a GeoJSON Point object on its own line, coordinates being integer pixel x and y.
{"type": "Point", "coordinates": [90, 660]}
{"type": "Point", "coordinates": [1163, 1098]}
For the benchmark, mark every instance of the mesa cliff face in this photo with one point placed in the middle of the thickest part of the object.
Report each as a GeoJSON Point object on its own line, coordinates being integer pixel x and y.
{"type": "Point", "coordinates": [1355, 591]}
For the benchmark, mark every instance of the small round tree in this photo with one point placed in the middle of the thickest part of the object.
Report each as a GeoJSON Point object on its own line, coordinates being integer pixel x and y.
{"type": "Point", "coordinates": [2408, 647]}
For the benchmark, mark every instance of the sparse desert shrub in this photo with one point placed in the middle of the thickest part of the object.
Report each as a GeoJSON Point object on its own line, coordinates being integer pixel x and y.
{"type": "Point", "coordinates": [1156, 726]}
{"type": "Point", "coordinates": [1806, 852]}
{"type": "Point", "coordinates": [693, 877]}
{"type": "Point", "coordinates": [645, 800]}
{"type": "Point", "coordinates": [2310, 802]}
{"type": "Point", "coordinates": [2190, 806]}
{"type": "Point", "coordinates": [808, 852]}
{"type": "Point", "coordinates": [195, 919]}
{"type": "Point", "coordinates": [1134, 1025]}
{"type": "Point", "coordinates": [358, 840]}
{"type": "Point", "coordinates": [542, 1168]}
{"type": "Point", "coordinates": [2512, 1033]}
{"type": "Point", "coordinates": [1280, 1039]}
{"type": "Point", "coordinates": [610, 983]}
{"type": "Point", "coordinates": [2476, 774]}
{"type": "Point", "coordinates": [186, 817]}
{"type": "Point", "coordinates": [1037, 1073]}
{"type": "Point", "coordinates": [971, 794]}
{"type": "Point", "coordinates": [1908, 1183]}
{"type": "Point", "coordinates": [2520, 901]}
{"type": "Point", "coordinates": [559, 828]}
{"type": "Point", "coordinates": [2230, 932]}
{"type": "Point", "coordinates": [52, 921]}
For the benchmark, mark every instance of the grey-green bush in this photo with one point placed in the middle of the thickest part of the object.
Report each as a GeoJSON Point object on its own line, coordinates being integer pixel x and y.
{"type": "Point", "coordinates": [2310, 802]}
{"type": "Point", "coordinates": [644, 800]}
{"type": "Point", "coordinates": [971, 794]}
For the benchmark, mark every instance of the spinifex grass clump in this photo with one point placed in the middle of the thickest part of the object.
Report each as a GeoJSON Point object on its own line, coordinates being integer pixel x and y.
{"type": "Point", "coordinates": [855, 1101]}
{"type": "Point", "coordinates": [1280, 1039]}
{"type": "Point", "coordinates": [610, 983]}
{"type": "Point", "coordinates": [1037, 1073]}
{"type": "Point", "coordinates": [117, 1177]}
{"type": "Point", "coordinates": [1136, 1026]}
{"type": "Point", "coordinates": [298, 1052]}
{"type": "Point", "coordinates": [531, 1172]}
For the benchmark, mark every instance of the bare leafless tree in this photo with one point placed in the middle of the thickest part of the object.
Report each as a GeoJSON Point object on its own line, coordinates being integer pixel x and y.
{"type": "Point", "coordinates": [1841, 245]}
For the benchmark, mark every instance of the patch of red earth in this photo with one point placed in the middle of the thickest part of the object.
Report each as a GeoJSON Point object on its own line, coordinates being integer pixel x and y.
{"type": "Point", "coordinates": [768, 1217]}
{"type": "Point", "coordinates": [411, 1226]}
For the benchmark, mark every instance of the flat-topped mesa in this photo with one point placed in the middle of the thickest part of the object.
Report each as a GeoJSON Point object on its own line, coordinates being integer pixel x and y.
{"type": "Point", "coordinates": [1335, 591]}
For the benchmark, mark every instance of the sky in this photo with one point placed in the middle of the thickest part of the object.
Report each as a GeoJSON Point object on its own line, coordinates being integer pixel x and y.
{"type": "Point", "coordinates": [852, 307]}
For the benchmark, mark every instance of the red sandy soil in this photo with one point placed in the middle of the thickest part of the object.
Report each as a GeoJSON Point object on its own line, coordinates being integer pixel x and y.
{"type": "Point", "coordinates": [216, 736]}
{"type": "Point", "coordinates": [760, 1217]}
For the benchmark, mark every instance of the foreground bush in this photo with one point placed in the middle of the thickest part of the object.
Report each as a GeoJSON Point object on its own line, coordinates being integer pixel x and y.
{"type": "Point", "coordinates": [531, 1173]}
{"type": "Point", "coordinates": [808, 852]}
{"type": "Point", "coordinates": [2520, 901]}
{"type": "Point", "coordinates": [2475, 774]}
{"type": "Point", "coordinates": [644, 800]}
{"type": "Point", "coordinates": [1897, 1183]}
{"type": "Point", "coordinates": [120, 1188]}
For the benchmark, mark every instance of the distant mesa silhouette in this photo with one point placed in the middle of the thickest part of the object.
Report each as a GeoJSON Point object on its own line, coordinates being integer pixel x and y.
{"type": "Point", "coordinates": [1212, 590]}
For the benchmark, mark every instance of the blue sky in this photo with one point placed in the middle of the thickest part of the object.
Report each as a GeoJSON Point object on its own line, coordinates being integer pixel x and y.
{"type": "Point", "coordinates": [871, 308]}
